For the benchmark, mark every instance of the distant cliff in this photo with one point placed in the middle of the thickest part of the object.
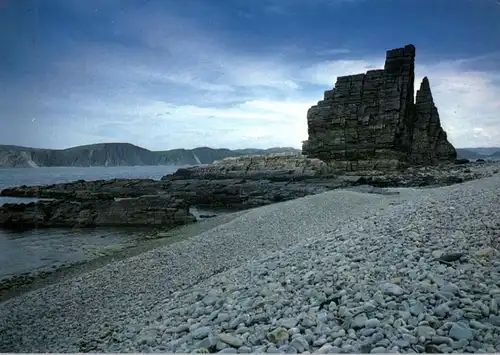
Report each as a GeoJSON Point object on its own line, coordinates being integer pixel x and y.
{"type": "Point", "coordinates": [492, 153]}
{"type": "Point", "coordinates": [118, 154]}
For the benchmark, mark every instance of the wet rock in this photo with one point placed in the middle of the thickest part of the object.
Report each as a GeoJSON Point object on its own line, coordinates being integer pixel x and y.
{"type": "Point", "coordinates": [156, 210]}
{"type": "Point", "coordinates": [231, 340]}
{"type": "Point", "coordinates": [460, 332]}
{"type": "Point", "coordinates": [278, 335]}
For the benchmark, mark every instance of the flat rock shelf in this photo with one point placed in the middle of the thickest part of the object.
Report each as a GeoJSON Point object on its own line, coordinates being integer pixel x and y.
{"type": "Point", "coordinates": [341, 271]}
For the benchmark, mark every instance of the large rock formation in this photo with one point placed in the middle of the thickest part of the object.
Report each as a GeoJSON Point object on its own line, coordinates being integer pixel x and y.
{"type": "Point", "coordinates": [275, 167]}
{"type": "Point", "coordinates": [160, 210]}
{"type": "Point", "coordinates": [371, 121]}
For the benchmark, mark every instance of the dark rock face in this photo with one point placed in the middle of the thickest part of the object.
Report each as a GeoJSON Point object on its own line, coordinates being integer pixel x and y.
{"type": "Point", "coordinates": [372, 122]}
{"type": "Point", "coordinates": [156, 210]}
{"type": "Point", "coordinates": [430, 143]}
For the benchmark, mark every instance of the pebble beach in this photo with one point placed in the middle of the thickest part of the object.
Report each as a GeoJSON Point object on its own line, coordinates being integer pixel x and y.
{"type": "Point", "coordinates": [410, 270]}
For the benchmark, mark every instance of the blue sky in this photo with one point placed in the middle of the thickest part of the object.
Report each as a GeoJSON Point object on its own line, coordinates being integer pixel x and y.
{"type": "Point", "coordinates": [230, 73]}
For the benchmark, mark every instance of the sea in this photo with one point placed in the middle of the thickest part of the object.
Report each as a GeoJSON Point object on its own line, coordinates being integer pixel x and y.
{"type": "Point", "coordinates": [43, 250]}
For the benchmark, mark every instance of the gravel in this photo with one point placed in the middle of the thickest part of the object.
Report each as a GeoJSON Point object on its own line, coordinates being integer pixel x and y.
{"type": "Point", "coordinates": [338, 272]}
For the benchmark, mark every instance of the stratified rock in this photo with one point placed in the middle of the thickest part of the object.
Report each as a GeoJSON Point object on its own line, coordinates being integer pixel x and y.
{"type": "Point", "coordinates": [275, 167]}
{"type": "Point", "coordinates": [159, 210]}
{"type": "Point", "coordinates": [371, 121]}
{"type": "Point", "coordinates": [429, 143]}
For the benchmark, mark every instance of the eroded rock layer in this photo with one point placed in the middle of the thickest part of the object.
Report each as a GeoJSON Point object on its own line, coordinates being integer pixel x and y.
{"type": "Point", "coordinates": [371, 121]}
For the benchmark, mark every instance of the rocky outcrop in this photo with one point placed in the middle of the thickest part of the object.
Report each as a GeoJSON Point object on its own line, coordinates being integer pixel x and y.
{"type": "Point", "coordinates": [371, 121]}
{"type": "Point", "coordinates": [429, 141]}
{"type": "Point", "coordinates": [196, 187]}
{"type": "Point", "coordinates": [157, 210]}
{"type": "Point", "coordinates": [275, 167]}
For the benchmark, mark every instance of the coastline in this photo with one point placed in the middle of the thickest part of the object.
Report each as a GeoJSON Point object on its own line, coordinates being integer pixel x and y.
{"type": "Point", "coordinates": [352, 242]}
{"type": "Point", "coordinates": [145, 279]}
{"type": "Point", "coordinates": [20, 284]}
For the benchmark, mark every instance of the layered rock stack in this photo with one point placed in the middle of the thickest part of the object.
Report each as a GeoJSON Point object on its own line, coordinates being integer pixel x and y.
{"type": "Point", "coordinates": [371, 121]}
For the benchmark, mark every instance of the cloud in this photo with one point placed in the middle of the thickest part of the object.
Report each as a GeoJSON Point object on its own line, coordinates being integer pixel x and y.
{"type": "Point", "coordinates": [334, 51]}
{"type": "Point", "coordinates": [325, 73]}
{"type": "Point", "coordinates": [284, 8]}
{"type": "Point", "coordinates": [468, 102]}
{"type": "Point", "coordinates": [172, 84]}
{"type": "Point", "coordinates": [254, 102]}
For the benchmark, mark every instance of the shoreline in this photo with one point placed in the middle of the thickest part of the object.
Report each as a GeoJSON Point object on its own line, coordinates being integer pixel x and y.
{"type": "Point", "coordinates": [20, 284]}
{"type": "Point", "coordinates": [250, 277]}
{"type": "Point", "coordinates": [126, 288]}
{"type": "Point", "coordinates": [23, 283]}
{"type": "Point", "coordinates": [45, 278]}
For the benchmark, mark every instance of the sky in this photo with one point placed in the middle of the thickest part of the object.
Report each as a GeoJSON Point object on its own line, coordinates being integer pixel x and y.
{"type": "Point", "coordinates": [230, 73]}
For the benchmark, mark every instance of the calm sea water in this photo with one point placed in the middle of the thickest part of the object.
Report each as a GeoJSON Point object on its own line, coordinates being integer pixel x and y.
{"type": "Point", "coordinates": [45, 249]}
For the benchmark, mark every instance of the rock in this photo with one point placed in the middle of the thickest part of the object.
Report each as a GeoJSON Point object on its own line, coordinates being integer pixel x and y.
{"type": "Point", "coordinates": [495, 320]}
{"type": "Point", "coordinates": [417, 309]}
{"type": "Point", "coordinates": [426, 331]}
{"type": "Point", "coordinates": [272, 350]}
{"type": "Point", "coordinates": [359, 321]}
{"type": "Point", "coordinates": [201, 332]}
{"type": "Point", "coordinates": [308, 321]}
{"type": "Point", "coordinates": [432, 349]}
{"type": "Point", "coordinates": [326, 349]}
{"type": "Point", "coordinates": [209, 342]}
{"type": "Point", "coordinates": [378, 350]}
{"type": "Point", "coordinates": [350, 129]}
{"type": "Point", "coordinates": [391, 289]}
{"type": "Point", "coordinates": [300, 344]}
{"type": "Point", "coordinates": [450, 257]}
{"type": "Point", "coordinates": [442, 310]}
{"type": "Point", "coordinates": [276, 167]}
{"type": "Point", "coordinates": [205, 216]}
{"type": "Point", "coordinates": [233, 184]}
{"type": "Point", "coordinates": [462, 161]}
{"type": "Point", "coordinates": [278, 335]}
{"type": "Point", "coordinates": [289, 322]}
{"type": "Point", "coordinates": [156, 210]}
{"type": "Point", "coordinates": [372, 323]}
{"type": "Point", "coordinates": [460, 331]}
{"type": "Point", "coordinates": [231, 340]}
{"type": "Point", "coordinates": [487, 252]}
{"type": "Point", "coordinates": [436, 254]}
{"type": "Point", "coordinates": [437, 339]}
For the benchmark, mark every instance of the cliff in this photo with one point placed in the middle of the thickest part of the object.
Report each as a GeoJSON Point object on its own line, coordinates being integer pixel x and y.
{"type": "Point", "coordinates": [116, 154]}
{"type": "Point", "coordinates": [371, 121]}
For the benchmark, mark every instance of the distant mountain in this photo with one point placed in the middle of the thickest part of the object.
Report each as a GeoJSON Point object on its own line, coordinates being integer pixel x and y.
{"type": "Point", "coordinates": [465, 153]}
{"type": "Point", "coordinates": [479, 153]}
{"type": "Point", "coordinates": [118, 154]}
{"type": "Point", "coordinates": [484, 150]}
